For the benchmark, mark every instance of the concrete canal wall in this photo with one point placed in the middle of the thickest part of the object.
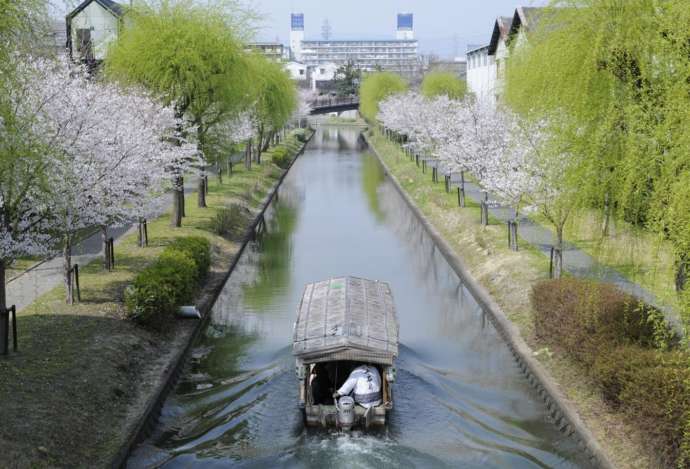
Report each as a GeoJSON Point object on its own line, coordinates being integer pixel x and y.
{"type": "Point", "coordinates": [560, 410]}
{"type": "Point", "coordinates": [146, 422]}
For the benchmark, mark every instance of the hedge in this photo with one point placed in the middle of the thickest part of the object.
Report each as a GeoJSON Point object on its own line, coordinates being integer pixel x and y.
{"type": "Point", "coordinates": [585, 316]}
{"type": "Point", "coordinates": [171, 281]}
{"type": "Point", "coordinates": [629, 351]}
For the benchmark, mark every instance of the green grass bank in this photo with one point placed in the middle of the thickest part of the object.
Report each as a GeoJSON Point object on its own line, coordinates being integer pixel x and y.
{"type": "Point", "coordinates": [509, 277]}
{"type": "Point", "coordinates": [84, 373]}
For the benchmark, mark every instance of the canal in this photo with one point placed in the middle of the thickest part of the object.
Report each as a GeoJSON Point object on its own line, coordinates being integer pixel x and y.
{"type": "Point", "coordinates": [460, 399]}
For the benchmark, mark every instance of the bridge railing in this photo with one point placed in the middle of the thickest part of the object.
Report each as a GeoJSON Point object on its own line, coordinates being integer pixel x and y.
{"type": "Point", "coordinates": [332, 101]}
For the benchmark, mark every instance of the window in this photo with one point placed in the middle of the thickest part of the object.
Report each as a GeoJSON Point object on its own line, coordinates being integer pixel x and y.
{"type": "Point", "coordinates": [84, 44]}
{"type": "Point", "coordinates": [301, 71]}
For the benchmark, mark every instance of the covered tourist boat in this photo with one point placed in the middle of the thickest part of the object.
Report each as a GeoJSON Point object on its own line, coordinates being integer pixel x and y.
{"type": "Point", "coordinates": [342, 324]}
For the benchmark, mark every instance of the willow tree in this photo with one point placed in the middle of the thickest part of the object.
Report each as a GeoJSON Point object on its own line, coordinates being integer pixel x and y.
{"type": "Point", "coordinates": [192, 57]}
{"type": "Point", "coordinates": [276, 99]}
{"type": "Point", "coordinates": [375, 88]}
{"type": "Point", "coordinates": [611, 80]}
{"type": "Point", "coordinates": [443, 84]}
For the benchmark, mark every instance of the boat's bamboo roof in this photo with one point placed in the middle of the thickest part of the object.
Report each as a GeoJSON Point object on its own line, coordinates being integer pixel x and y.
{"type": "Point", "coordinates": [346, 318]}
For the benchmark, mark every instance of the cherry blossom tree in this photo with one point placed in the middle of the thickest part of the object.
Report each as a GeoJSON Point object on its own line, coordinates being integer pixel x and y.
{"type": "Point", "coordinates": [107, 149]}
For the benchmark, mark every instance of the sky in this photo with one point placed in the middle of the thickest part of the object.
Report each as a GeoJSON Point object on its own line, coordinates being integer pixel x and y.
{"type": "Point", "coordinates": [443, 27]}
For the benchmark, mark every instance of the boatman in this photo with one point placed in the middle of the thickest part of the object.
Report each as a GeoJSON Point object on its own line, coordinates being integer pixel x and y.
{"type": "Point", "coordinates": [365, 381]}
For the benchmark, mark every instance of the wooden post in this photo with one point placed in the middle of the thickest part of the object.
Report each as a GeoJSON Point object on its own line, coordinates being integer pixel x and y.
{"type": "Point", "coordinates": [111, 253]}
{"type": "Point", "coordinates": [484, 213]}
{"type": "Point", "coordinates": [14, 327]}
{"type": "Point", "coordinates": [74, 279]}
{"type": "Point", "coordinates": [5, 330]}
{"type": "Point", "coordinates": [514, 235]}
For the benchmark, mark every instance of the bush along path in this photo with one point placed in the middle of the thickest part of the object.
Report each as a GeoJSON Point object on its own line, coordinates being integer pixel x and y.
{"type": "Point", "coordinates": [509, 277]}
{"type": "Point", "coordinates": [91, 370]}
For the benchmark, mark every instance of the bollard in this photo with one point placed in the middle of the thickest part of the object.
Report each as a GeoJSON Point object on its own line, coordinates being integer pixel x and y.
{"type": "Point", "coordinates": [461, 197]}
{"type": "Point", "coordinates": [5, 329]}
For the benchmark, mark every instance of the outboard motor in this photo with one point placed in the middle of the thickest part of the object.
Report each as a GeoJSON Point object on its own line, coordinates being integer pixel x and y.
{"type": "Point", "coordinates": [346, 412]}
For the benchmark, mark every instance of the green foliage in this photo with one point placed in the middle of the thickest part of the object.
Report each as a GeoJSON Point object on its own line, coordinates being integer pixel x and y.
{"type": "Point", "coordinates": [443, 83]}
{"type": "Point", "coordinates": [347, 79]}
{"type": "Point", "coordinates": [189, 55]}
{"type": "Point", "coordinates": [375, 88]}
{"type": "Point", "coordinates": [652, 388]}
{"type": "Point", "coordinates": [276, 93]}
{"type": "Point", "coordinates": [611, 78]}
{"type": "Point", "coordinates": [585, 317]}
{"type": "Point", "coordinates": [281, 157]}
{"type": "Point", "coordinates": [171, 281]}
{"type": "Point", "coordinates": [300, 135]}
{"type": "Point", "coordinates": [628, 350]}
{"type": "Point", "coordinates": [197, 248]}
{"type": "Point", "coordinates": [228, 220]}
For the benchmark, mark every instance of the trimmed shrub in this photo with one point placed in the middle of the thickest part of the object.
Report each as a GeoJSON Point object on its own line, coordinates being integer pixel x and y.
{"type": "Point", "coordinates": [281, 156]}
{"type": "Point", "coordinates": [198, 248]}
{"type": "Point", "coordinates": [583, 317]}
{"type": "Point", "coordinates": [300, 135]}
{"type": "Point", "coordinates": [652, 388]}
{"type": "Point", "coordinates": [160, 288]}
{"type": "Point", "coordinates": [168, 283]}
{"type": "Point", "coordinates": [229, 219]}
{"type": "Point", "coordinates": [627, 348]}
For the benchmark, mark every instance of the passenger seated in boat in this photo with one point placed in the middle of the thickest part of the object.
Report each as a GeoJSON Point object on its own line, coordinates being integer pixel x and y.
{"type": "Point", "coordinates": [365, 382]}
{"type": "Point", "coordinates": [321, 384]}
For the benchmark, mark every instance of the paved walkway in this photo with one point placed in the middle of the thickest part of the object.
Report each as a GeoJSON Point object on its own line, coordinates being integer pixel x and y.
{"type": "Point", "coordinates": [575, 260]}
{"type": "Point", "coordinates": [26, 287]}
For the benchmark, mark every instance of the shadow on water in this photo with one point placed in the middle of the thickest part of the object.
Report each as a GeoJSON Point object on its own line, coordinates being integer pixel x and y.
{"type": "Point", "coordinates": [460, 399]}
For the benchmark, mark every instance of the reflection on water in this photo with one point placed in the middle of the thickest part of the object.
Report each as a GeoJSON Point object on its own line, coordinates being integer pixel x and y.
{"type": "Point", "coordinates": [460, 399]}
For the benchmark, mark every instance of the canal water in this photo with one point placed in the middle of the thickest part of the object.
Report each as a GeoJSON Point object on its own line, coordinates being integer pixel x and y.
{"type": "Point", "coordinates": [460, 400]}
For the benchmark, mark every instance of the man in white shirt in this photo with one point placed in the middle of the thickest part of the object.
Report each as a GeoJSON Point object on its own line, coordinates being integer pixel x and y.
{"type": "Point", "coordinates": [365, 381]}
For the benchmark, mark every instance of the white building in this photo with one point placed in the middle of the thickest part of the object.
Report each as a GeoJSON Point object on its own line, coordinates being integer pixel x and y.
{"type": "Point", "coordinates": [322, 73]}
{"type": "Point", "coordinates": [486, 65]}
{"type": "Point", "coordinates": [498, 51]}
{"type": "Point", "coordinates": [297, 71]}
{"type": "Point", "coordinates": [91, 27]}
{"type": "Point", "coordinates": [397, 55]}
{"type": "Point", "coordinates": [481, 73]}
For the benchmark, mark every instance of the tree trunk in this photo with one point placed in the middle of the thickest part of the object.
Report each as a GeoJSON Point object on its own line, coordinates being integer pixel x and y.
{"type": "Point", "coordinates": [201, 191]}
{"type": "Point", "coordinates": [607, 216]}
{"type": "Point", "coordinates": [558, 253]}
{"type": "Point", "coordinates": [181, 195]}
{"type": "Point", "coordinates": [106, 254]}
{"type": "Point", "coordinates": [682, 271]}
{"type": "Point", "coordinates": [219, 168]}
{"type": "Point", "coordinates": [67, 269]}
{"type": "Point", "coordinates": [176, 220]}
{"type": "Point", "coordinates": [248, 154]}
